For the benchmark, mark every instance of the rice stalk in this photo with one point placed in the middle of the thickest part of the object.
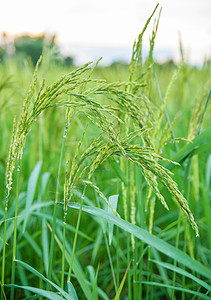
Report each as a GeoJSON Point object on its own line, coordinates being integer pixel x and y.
{"type": "Point", "coordinates": [198, 113]}
{"type": "Point", "coordinates": [162, 107]}
{"type": "Point", "coordinates": [136, 60]}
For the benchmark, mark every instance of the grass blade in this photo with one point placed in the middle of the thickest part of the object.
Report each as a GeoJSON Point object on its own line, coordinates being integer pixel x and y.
{"type": "Point", "coordinates": [150, 239]}
{"type": "Point", "coordinates": [22, 217]}
{"type": "Point", "coordinates": [203, 139]}
{"type": "Point", "coordinates": [183, 272]}
{"type": "Point", "coordinates": [122, 283]}
{"type": "Point", "coordinates": [77, 269]}
{"type": "Point", "coordinates": [45, 245]}
{"type": "Point", "coordinates": [71, 291]}
{"type": "Point", "coordinates": [32, 183]}
{"type": "Point", "coordinates": [200, 295]}
{"type": "Point", "coordinates": [93, 278]}
{"type": "Point", "coordinates": [113, 200]}
{"type": "Point", "coordinates": [208, 172]}
{"type": "Point", "coordinates": [44, 293]}
{"type": "Point", "coordinates": [38, 274]}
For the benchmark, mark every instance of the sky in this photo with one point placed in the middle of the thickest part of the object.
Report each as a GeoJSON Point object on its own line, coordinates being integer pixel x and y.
{"type": "Point", "coordinates": [89, 29]}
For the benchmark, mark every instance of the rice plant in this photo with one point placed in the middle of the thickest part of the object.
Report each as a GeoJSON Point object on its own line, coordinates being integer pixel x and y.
{"type": "Point", "coordinates": [106, 194]}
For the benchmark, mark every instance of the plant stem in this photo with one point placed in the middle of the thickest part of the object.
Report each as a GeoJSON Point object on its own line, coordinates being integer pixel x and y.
{"type": "Point", "coordinates": [4, 245]}
{"type": "Point", "coordinates": [110, 261]}
{"type": "Point", "coordinates": [55, 209]}
{"type": "Point", "coordinates": [117, 257]}
{"type": "Point", "coordinates": [15, 231]}
{"type": "Point", "coordinates": [76, 236]}
{"type": "Point", "coordinates": [63, 250]}
{"type": "Point", "coordinates": [128, 168]}
{"type": "Point", "coordinates": [203, 113]}
{"type": "Point", "coordinates": [175, 262]}
{"type": "Point", "coordinates": [41, 137]}
{"type": "Point", "coordinates": [140, 204]}
{"type": "Point", "coordinates": [129, 275]}
{"type": "Point", "coordinates": [161, 99]}
{"type": "Point", "coordinates": [184, 250]}
{"type": "Point", "coordinates": [149, 265]}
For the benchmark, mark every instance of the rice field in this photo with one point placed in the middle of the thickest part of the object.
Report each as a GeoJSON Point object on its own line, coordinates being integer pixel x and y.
{"type": "Point", "coordinates": [105, 179]}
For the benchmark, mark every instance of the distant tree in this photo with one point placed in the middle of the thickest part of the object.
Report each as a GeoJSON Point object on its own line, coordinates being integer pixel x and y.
{"type": "Point", "coordinates": [3, 54]}
{"type": "Point", "coordinates": [29, 46]}
{"type": "Point", "coordinates": [33, 46]}
{"type": "Point", "coordinates": [69, 61]}
{"type": "Point", "coordinates": [170, 64]}
{"type": "Point", "coordinates": [119, 64]}
{"type": "Point", "coordinates": [3, 47]}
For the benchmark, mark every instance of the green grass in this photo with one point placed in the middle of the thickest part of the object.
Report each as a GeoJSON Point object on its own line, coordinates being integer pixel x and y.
{"type": "Point", "coordinates": [105, 180]}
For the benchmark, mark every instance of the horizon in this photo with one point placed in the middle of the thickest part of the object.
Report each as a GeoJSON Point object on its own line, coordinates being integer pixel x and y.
{"type": "Point", "coordinates": [86, 28]}
{"type": "Point", "coordinates": [82, 54]}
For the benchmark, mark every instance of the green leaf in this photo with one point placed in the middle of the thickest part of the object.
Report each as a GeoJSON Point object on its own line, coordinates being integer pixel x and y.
{"type": "Point", "coordinates": [208, 171]}
{"type": "Point", "coordinates": [113, 200]}
{"type": "Point", "coordinates": [23, 215]}
{"type": "Point", "coordinates": [61, 224]}
{"type": "Point", "coordinates": [77, 269]}
{"type": "Point", "coordinates": [33, 244]}
{"type": "Point", "coordinates": [32, 188]}
{"type": "Point", "coordinates": [148, 238]}
{"type": "Point", "coordinates": [22, 275]}
{"type": "Point", "coordinates": [122, 283]}
{"type": "Point", "coordinates": [200, 295]}
{"type": "Point", "coordinates": [43, 293]}
{"type": "Point", "coordinates": [183, 272]}
{"type": "Point", "coordinates": [162, 271]}
{"type": "Point", "coordinates": [32, 297]}
{"type": "Point", "coordinates": [36, 273]}
{"type": "Point", "coordinates": [45, 245]}
{"type": "Point", "coordinates": [44, 182]}
{"type": "Point", "coordinates": [202, 140]}
{"type": "Point", "coordinates": [116, 167]}
{"type": "Point", "coordinates": [93, 278]}
{"type": "Point", "coordinates": [71, 291]}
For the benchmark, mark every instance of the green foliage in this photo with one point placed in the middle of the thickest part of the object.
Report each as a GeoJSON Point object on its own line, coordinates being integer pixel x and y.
{"type": "Point", "coordinates": [29, 46]}
{"type": "Point", "coordinates": [3, 54]}
{"type": "Point", "coordinates": [69, 61]}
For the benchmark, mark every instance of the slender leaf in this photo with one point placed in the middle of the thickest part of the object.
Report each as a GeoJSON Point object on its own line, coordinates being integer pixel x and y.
{"type": "Point", "coordinates": [148, 238]}
{"type": "Point", "coordinates": [33, 244]}
{"type": "Point", "coordinates": [32, 183]}
{"type": "Point", "coordinates": [183, 272]}
{"type": "Point", "coordinates": [71, 291]}
{"type": "Point", "coordinates": [77, 269]}
{"type": "Point", "coordinates": [93, 281]}
{"type": "Point", "coordinates": [200, 295]}
{"type": "Point", "coordinates": [45, 245]}
{"type": "Point", "coordinates": [208, 171]}
{"type": "Point", "coordinates": [23, 215]}
{"type": "Point", "coordinates": [113, 200]}
{"type": "Point", "coordinates": [203, 139]}
{"type": "Point", "coordinates": [43, 293]}
{"type": "Point", "coordinates": [122, 283]}
{"type": "Point", "coordinates": [36, 273]}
